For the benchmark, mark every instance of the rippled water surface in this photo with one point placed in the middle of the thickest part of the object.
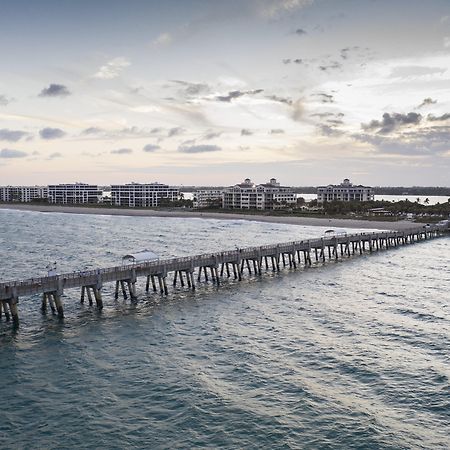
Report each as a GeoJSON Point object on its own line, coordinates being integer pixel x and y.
{"type": "Point", "coordinates": [354, 354]}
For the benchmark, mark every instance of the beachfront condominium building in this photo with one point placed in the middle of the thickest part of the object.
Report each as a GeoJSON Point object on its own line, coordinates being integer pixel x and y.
{"type": "Point", "coordinates": [143, 195]}
{"type": "Point", "coordinates": [344, 192]}
{"type": "Point", "coordinates": [22, 194]}
{"type": "Point", "coordinates": [205, 198]}
{"type": "Point", "coordinates": [248, 195]}
{"type": "Point", "coordinates": [77, 193]}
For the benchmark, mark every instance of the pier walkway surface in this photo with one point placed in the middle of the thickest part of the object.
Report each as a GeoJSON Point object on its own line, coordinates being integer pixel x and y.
{"type": "Point", "coordinates": [219, 265]}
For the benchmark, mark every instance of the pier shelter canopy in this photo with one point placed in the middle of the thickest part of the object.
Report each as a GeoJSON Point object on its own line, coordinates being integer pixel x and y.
{"type": "Point", "coordinates": [334, 233]}
{"type": "Point", "coordinates": [139, 257]}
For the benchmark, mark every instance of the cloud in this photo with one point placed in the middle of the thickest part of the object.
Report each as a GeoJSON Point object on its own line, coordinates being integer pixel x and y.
{"type": "Point", "coordinates": [199, 148]}
{"type": "Point", "coordinates": [433, 118]}
{"type": "Point", "coordinates": [327, 130]}
{"type": "Point", "coordinates": [211, 135]}
{"type": "Point", "coordinates": [447, 41]}
{"type": "Point", "coordinates": [332, 65]}
{"type": "Point", "coordinates": [276, 131]}
{"type": "Point", "coordinates": [189, 142]}
{"type": "Point", "coordinates": [335, 121]}
{"type": "Point", "coordinates": [346, 52]}
{"type": "Point", "coordinates": [271, 9]}
{"type": "Point", "coordinates": [391, 122]}
{"type": "Point", "coordinates": [429, 141]}
{"type": "Point", "coordinates": [176, 131]}
{"type": "Point", "coordinates": [10, 153]}
{"type": "Point", "coordinates": [122, 151]}
{"type": "Point", "coordinates": [55, 155]}
{"type": "Point", "coordinates": [149, 148]}
{"type": "Point", "coordinates": [278, 99]}
{"type": "Point", "coordinates": [55, 90]}
{"type": "Point", "coordinates": [51, 133]}
{"type": "Point", "coordinates": [12, 135]}
{"type": "Point", "coordinates": [112, 69]}
{"type": "Point", "coordinates": [128, 132]}
{"type": "Point", "coordinates": [300, 32]}
{"type": "Point", "coordinates": [192, 89]}
{"type": "Point", "coordinates": [325, 98]}
{"type": "Point", "coordinates": [163, 39]}
{"type": "Point", "coordinates": [132, 132]}
{"type": "Point", "coordinates": [4, 100]}
{"type": "Point", "coordinates": [323, 115]}
{"type": "Point", "coordinates": [92, 131]}
{"type": "Point", "coordinates": [245, 132]}
{"type": "Point", "coordinates": [236, 94]}
{"type": "Point", "coordinates": [295, 61]}
{"type": "Point", "coordinates": [427, 101]}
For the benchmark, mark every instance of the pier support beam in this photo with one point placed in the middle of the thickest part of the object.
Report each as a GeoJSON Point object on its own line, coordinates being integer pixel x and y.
{"type": "Point", "coordinates": [251, 259]}
{"type": "Point", "coordinates": [51, 302]}
{"type": "Point", "coordinates": [89, 295]}
{"type": "Point", "coordinates": [132, 289]}
{"type": "Point", "coordinates": [58, 304]}
{"type": "Point", "coordinates": [14, 311]}
{"type": "Point", "coordinates": [98, 297]}
{"type": "Point", "coordinates": [5, 310]}
{"type": "Point", "coordinates": [192, 279]}
{"type": "Point", "coordinates": [44, 303]}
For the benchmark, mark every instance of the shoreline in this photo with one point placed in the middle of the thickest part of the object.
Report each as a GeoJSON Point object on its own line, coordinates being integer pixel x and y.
{"type": "Point", "coordinates": [195, 214]}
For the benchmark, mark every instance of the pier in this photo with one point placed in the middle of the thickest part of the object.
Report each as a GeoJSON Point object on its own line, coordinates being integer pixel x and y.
{"type": "Point", "coordinates": [190, 271]}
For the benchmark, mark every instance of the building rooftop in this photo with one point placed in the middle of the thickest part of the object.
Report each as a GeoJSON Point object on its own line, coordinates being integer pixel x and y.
{"type": "Point", "coordinates": [345, 184]}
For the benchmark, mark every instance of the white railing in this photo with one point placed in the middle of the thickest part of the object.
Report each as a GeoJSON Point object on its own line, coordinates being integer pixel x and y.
{"type": "Point", "coordinates": [82, 278]}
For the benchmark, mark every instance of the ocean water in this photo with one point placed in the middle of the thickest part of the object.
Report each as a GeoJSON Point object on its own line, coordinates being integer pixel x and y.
{"type": "Point", "coordinates": [348, 355]}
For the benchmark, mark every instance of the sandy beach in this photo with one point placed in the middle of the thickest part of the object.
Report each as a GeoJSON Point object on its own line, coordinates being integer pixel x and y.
{"type": "Point", "coordinates": [192, 214]}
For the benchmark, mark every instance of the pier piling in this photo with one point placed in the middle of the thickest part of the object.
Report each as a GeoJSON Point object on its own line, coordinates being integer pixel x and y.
{"type": "Point", "coordinates": [253, 259]}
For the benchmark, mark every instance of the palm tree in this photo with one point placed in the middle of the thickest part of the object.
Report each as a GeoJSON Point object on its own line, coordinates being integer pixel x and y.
{"type": "Point", "coordinates": [427, 201]}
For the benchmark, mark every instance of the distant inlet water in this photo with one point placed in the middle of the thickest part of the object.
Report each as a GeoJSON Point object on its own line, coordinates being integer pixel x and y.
{"type": "Point", "coordinates": [309, 359]}
{"type": "Point", "coordinates": [432, 199]}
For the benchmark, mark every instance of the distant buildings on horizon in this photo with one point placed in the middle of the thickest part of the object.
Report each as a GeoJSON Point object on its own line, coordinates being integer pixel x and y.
{"type": "Point", "coordinates": [77, 193]}
{"type": "Point", "coordinates": [139, 195]}
{"type": "Point", "coordinates": [245, 195]}
{"type": "Point", "coordinates": [344, 192]}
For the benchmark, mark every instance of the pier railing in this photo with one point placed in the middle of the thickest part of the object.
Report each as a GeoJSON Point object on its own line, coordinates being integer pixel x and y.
{"type": "Point", "coordinates": [348, 244]}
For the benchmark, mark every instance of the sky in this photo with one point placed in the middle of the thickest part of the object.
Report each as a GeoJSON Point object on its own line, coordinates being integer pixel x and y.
{"type": "Point", "coordinates": [209, 92]}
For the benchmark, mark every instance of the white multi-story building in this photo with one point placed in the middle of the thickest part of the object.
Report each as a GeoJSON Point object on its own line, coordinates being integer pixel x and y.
{"type": "Point", "coordinates": [248, 195]}
{"type": "Point", "coordinates": [276, 196]}
{"type": "Point", "coordinates": [73, 193]}
{"type": "Point", "coordinates": [344, 192]}
{"type": "Point", "coordinates": [143, 195]}
{"type": "Point", "coordinates": [203, 198]}
{"type": "Point", "coordinates": [22, 194]}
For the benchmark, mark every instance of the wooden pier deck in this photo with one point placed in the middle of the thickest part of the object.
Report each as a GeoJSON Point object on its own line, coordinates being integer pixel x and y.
{"type": "Point", "coordinates": [188, 270]}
